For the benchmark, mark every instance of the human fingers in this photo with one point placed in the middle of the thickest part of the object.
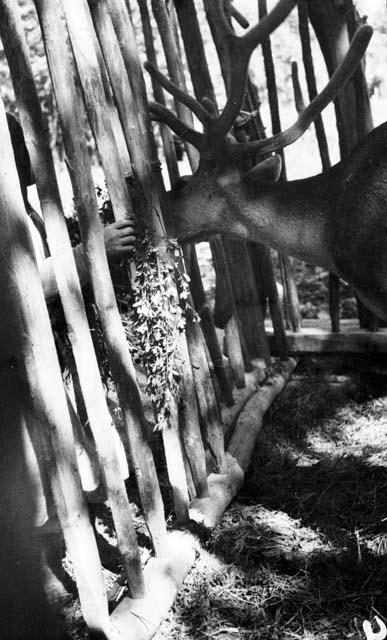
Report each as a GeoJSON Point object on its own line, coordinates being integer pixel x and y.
{"type": "Point", "coordinates": [129, 223]}
{"type": "Point", "coordinates": [125, 233]}
{"type": "Point", "coordinates": [127, 240]}
{"type": "Point", "coordinates": [125, 250]}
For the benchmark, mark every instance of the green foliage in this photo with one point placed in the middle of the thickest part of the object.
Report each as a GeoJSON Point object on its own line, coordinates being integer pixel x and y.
{"type": "Point", "coordinates": [153, 323]}
{"type": "Point", "coordinates": [152, 310]}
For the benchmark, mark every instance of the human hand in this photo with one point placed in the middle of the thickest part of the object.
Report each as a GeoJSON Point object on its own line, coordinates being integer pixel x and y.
{"type": "Point", "coordinates": [120, 238]}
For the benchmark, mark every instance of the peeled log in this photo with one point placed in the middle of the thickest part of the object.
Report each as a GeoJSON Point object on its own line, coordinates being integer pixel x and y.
{"type": "Point", "coordinates": [223, 488]}
{"type": "Point", "coordinates": [139, 619]}
{"type": "Point", "coordinates": [242, 441]}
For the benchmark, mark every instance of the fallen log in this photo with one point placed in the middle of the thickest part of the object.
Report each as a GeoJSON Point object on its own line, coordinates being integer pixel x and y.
{"type": "Point", "coordinates": [139, 619]}
{"type": "Point", "coordinates": [223, 488]}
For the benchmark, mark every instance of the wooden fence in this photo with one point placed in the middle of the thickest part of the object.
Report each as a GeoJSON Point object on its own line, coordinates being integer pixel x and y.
{"type": "Point", "coordinates": [97, 78]}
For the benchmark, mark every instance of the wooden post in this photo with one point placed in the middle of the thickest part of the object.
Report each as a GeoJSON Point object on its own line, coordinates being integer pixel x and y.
{"type": "Point", "coordinates": [353, 117]}
{"type": "Point", "coordinates": [200, 372]}
{"type": "Point", "coordinates": [71, 111]}
{"type": "Point", "coordinates": [12, 35]}
{"type": "Point", "coordinates": [166, 135]}
{"type": "Point", "coordinates": [175, 69]}
{"type": "Point", "coordinates": [194, 339]}
{"type": "Point", "coordinates": [196, 285]}
{"type": "Point", "coordinates": [81, 30]}
{"type": "Point", "coordinates": [34, 357]}
{"type": "Point", "coordinates": [202, 84]}
{"type": "Point", "coordinates": [263, 268]}
{"type": "Point", "coordinates": [24, 611]}
{"type": "Point", "coordinates": [246, 299]}
{"type": "Point", "coordinates": [128, 115]}
{"type": "Point", "coordinates": [242, 278]}
{"type": "Point", "coordinates": [303, 21]}
{"type": "Point", "coordinates": [208, 405]}
{"type": "Point", "coordinates": [260, 256]}
{"type": "Point", "coordinates": [289, 283]}
{"type": "Point", "coordinates": [207, 323]}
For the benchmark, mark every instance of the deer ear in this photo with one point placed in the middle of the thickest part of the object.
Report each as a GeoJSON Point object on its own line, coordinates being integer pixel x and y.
{"type": "Point", "coordinates": [269, 169]}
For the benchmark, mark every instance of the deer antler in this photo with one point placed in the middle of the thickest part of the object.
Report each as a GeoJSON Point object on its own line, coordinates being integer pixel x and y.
{"type": "Point", "coordinates": [337, 81]}
{"type": "Point", "coordinates": [298, 97]}
{"type": "Point", "coordinates": [241, 48]}
{"type": "Point", "coordinates": [162, 114]}
{"type": "Point", "coordinates": [200, 112]}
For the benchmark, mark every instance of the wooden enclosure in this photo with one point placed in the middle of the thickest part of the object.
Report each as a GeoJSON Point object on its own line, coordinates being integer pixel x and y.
{"type": "Point", "coordinates": [97, 80]}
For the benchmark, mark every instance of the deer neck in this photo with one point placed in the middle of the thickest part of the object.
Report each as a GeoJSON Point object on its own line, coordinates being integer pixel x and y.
{"type": "Point", "coordinates": [292, 217]}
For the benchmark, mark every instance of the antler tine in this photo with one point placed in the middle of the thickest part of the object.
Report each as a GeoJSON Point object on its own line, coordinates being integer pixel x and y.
{"type": "Point", "coordinates": [241, 48]}
{"type": "Point", "coordinates": [160, 113]}
{"type": "Point", "coordinates": [183, 97]}
{"type": "Point", "coordinates": [337, 81]}
{"type": "Point", "coordinates": [298, 97]}
{"type": "Point", "coordinates": [261, 31]}
{"type": "Point", "coordinates": [240, 19]}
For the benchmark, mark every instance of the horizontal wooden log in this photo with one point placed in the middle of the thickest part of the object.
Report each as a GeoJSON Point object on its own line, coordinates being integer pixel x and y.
{"type": "Point", "coordinates": [223, 488]}
{"type": "Point", "coordinates": [242, 441]}
{"type": "Point", "coordinates": [139, 619]}
{"type": "Point", "coordinates": [320, 340]}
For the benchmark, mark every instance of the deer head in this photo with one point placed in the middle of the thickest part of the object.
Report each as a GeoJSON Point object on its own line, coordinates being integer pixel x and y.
{"type": "Point", "coordinates": [221, 197]}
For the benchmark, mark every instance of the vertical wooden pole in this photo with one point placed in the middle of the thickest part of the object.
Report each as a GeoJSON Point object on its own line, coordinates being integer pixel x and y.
{"type": "Point", "coordinates": [166, 135]}
{"type": "Point", "coordinates": [207, 323]}
{"type": "Point", "coordinates": [203, 87]}
{"type": "Point", "coordinates": [81, 29]}
{"type": "Point", "coordinates": [208, 405]}
{"type": "Point", "coordinates": [15, 46]}
{"type": "Point", "coordinates": [38, 366]}
{"type": "Point", "coordinates": [289, 283]}
{"type": "Point", "coordinates": [330, 24]}
{"type": "Point", "coordinates": [200, 374]}
{"type": "Point", "coordinates": [175, 69]}
{"type": "Point", "coordinates": [128, 116]}
{"type": "Point", "coordinates": [71, 111]}
{"type": "Point", "coordinates": [246, 298]}
{"type": "Point", "coordinates": [303, 21]}
{"type": "Point", "coordinates": [190, 257]}
{"type": "Point", "coordinates": [24, 611]}
{"type": "Point", "coordinates": [364, 124]}
{"type": "Point", "coordinates": [263, 267]}
{"type": "Point", "coordinates": [243, 283]}
{"type": "Point", "coordinates": [259, 256]}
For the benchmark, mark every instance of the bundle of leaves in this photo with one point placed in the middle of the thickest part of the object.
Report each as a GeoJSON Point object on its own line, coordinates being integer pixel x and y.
{"type": "Point", "coordinates": [152, 308]}
{"type": "Point", "coordinates": [153, 320]}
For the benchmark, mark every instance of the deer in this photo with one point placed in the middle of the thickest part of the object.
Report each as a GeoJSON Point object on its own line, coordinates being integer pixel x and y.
{"type": "Point", "coordinates": [336, 219]}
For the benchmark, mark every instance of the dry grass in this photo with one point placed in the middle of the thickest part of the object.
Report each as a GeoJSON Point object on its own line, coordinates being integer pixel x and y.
{"type": "Point", "coordinates": [302, 553]}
